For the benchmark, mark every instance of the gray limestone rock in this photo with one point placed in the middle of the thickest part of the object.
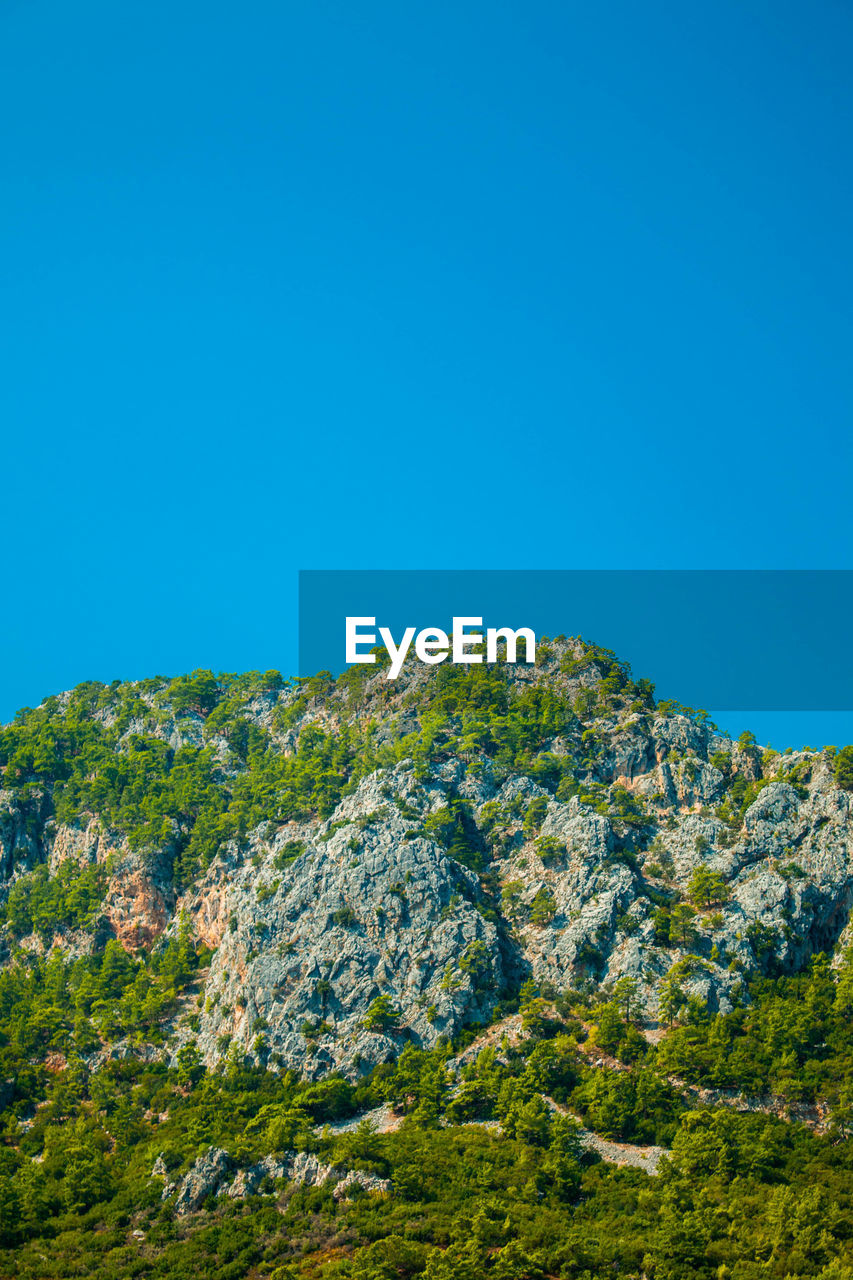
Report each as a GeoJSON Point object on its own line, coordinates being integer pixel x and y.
{"type": "Point", "coordinates": [358, 1182]}
{"type": "Point", "coordinates": [203, 1179]}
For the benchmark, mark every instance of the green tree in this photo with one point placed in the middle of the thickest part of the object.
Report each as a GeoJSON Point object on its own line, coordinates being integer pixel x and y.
{"type": "Point", "coordinates": [844, 985]}
{"type": "Point", "coordinates": [388, 1259]}
{"type": "Point", "coordinates": [610, 1028]}
{"type": "Point", "coordinates": [562, 1164]}
{"type": "Point", "coordinates": [534, 1019]}
{"type": "Point", "coordinates": [682, 927]}
{"type": "Point", "coordinates": [382, 1015]}
{"type": "Point", "coordinates": [535, 815]}
{"type": "Point", "coordinates": [190, 1065]}
{"type": "Point", "coordinates": [670, 998]}
{"type": "Point", "coordinates": [456, 1262]}
{"type": "Point", "coordinates": [533, 1122]}
{"type": "Point", "coordinates": [543, 907]}
{"type": "Point", "coordinates": [10, 1211]}
{"type": "Point", "coordinates": [477, 962]}
{"type": "Point", "coordinates": [625, 994]}
{"type": "Point", "coordinates": [707, 887]}
{"type": "Point", "coordinates": [844, 768]}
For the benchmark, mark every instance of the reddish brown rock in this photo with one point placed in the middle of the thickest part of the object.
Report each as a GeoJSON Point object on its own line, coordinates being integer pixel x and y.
{"type": "Point", "coordinates": [136, 907]}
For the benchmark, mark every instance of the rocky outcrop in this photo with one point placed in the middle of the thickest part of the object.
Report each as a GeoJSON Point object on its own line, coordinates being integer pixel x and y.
{"type": "Point", "coordinates": [140, 897]}
{"type": "Point", "coordinates": [306, 1170]}
{"type": "Point", "coordinates": [374, 907]}
{"type": "Point", "coordinates": [249, 1182]}
{"type": "Point", "coordinates": [357, 1182]}
{"type": "Point", "coordinates": [213, 1174]}
{"type": "Point", "coordinates": [84, 842]}
{"type": "Point", "coordinates": [140, 900]}
{"type": "Point", "coordinates": [366, 911]}
{"type": "Point", "coordinates": [203, 1179]}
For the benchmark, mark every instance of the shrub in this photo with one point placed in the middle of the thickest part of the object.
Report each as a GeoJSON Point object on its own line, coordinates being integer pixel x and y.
{"type": "Point", "coordinates": [543, 907]}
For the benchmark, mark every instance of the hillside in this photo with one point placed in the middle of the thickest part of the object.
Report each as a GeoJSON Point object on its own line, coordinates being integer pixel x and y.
{"type": "Point", "coordinates": [218, 890]}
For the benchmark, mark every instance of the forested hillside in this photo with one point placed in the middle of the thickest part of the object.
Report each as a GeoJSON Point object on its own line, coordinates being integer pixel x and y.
{"type": "Point", "coordinates": [329, 978]}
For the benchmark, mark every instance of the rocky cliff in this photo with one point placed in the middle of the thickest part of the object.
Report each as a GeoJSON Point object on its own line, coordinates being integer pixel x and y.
{"type": "Point", "coordinates": [371, 864]}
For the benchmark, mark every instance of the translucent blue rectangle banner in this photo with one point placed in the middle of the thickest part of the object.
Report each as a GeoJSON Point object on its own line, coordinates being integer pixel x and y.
{"type": "Point", "coordinates": [763, 639]}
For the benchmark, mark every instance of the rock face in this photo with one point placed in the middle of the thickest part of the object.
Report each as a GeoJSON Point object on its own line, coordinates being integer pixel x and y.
{"type": "Point", "coordinates": [249, 1181]}
{"type": "Point", "coordinates": [139, 902]}
{"type": "Point", "coordinates": [216, 1173]}
{"type": "Point", "coordinates": [20, 828]}
{"type": "Point", "coordinates": [368, 911]}
{"type": "Point", "coordinates": [338, 940]}
{"type": "Point", "coordinates": [84, 843]}
{"type": "Point", "coordinates": [202, 1180]}
{"type": "Point", "coordinates": [357, 1182]}
{"type": "Point", "coordinates": [140, 898]}
{"type": "Point", "coordinates": [364, 912]}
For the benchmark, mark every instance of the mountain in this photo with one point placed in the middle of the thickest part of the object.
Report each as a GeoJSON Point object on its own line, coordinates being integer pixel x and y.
{"type": "Point", "coordinates": [436, 841]}
{"type": "Point", "coordinates": [240, 885]}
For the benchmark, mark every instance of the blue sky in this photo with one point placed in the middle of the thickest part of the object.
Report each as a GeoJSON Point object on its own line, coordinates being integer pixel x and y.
{"type": "Point", "coordinates": [325, 285]}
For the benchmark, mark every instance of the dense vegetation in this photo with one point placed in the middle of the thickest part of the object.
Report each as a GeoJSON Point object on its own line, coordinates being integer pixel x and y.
{"type": "Point", "coordinates": [743, 1195]}
{"type": "Point", "coordinates": [99, 753]}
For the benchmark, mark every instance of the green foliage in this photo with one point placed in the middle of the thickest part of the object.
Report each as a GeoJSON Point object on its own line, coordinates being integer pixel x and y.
{"type": "Point", "coordinates": [628, 807]}
{"type": "Point", "coordinates": [535, 815]}
{"type": "Point", "coordinates": [48, 1005]}
{"type": "Point", "coordinates": [550, 849]}
{"type": "Point", "coordinates": [543, 907]}
{"type": "Point", "coordinates": [707, 887]}
{"type": "Point", "coordinates": [795, 1039]}
{"type": "Point", "coordinates": [454, 827]}
{"type": "Point", "coordinates": [625, 994]}
{"type": "Point", "coordinates": [288, 853]}
{"type": "Point", "coordinates": [179, 799]}
{"type": "Point", "coordinates": [266, 891]}
{"type": "Point", "coordinates": [345, 917]}
{"type": "Point", "coordinates": [106, 751]}
{"type": "Point", "coordinates": [521, 1202]}
{"type": "Point", "coordinates": [681, 927]}
{"type": "Point", "coordinates": [629, 1106]}
{"type": "Point", "coordinates": [196, 693]}
{"type": "Point", "coordinates": [722, 760]}
{"type": "Point", "coordinates": [476, 961]}
{"type": "Point", "coordinates": [39, 902]}
{"type": "Point", "coordinates": [844, 768]}
{"type": "Point", "coordinates": [382, 1015]}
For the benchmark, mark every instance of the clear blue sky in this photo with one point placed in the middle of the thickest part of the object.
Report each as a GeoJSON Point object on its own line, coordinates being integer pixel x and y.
{"type": "Point", "coordinates": [335, 285]}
